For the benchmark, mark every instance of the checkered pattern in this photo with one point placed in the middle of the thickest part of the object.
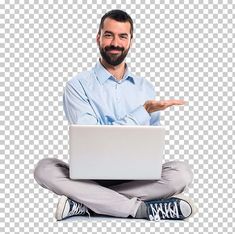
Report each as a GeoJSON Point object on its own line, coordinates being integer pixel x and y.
{"type": "Point", "coordinates": [186, 48]}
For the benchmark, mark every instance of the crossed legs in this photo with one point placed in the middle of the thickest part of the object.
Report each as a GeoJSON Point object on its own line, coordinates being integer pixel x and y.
{"type": "Point", "coordinates": [120, 200]}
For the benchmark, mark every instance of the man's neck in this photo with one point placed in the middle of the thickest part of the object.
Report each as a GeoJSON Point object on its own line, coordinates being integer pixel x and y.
{"type": "Point", "coordinates": [117, 71]}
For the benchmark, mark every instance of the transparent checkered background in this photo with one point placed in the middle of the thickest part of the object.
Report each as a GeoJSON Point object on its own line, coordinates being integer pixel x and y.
{"type": "Point", "coordinates": [186, 48]}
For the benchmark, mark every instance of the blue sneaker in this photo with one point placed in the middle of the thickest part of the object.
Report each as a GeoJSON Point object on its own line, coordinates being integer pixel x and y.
{"type": "Point", "coordinates": [177, 207]}
{"type": "Point", "coordinates": [67, 208]}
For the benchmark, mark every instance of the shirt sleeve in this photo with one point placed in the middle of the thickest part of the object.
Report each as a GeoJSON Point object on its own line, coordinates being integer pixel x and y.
{"type": "Point", "coordinates": [78, 110]}
{"type": "Point", "coordinates": [155, 116]}
{"type": "Point", "coordinates": [139, 116]}
{"type": "Point", "coordinates": [76, 106]}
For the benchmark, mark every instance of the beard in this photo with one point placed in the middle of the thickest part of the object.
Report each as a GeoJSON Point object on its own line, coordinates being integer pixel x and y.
{"type": "Point", "coordinates": [113, 59]}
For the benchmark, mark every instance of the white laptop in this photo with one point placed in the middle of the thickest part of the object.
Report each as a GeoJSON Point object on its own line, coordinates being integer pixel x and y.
{"type": "Point", "coordinates": [116, 152]}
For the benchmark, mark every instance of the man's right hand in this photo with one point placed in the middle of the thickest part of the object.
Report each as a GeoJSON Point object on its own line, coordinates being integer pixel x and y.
{"type": "Point", "coordinates": [153, 105]}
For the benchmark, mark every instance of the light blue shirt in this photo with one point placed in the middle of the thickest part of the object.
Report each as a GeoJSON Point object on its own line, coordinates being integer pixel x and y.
{"type": "Point", "coordinates": [95, 97]}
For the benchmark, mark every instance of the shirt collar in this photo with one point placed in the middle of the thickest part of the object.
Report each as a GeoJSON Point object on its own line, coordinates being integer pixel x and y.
{"type": "Point", "coordinates": [103, 74]}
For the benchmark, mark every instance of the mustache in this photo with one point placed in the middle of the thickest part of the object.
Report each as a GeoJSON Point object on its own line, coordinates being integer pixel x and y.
{"type": "Point", "coordinates": [108, 48]}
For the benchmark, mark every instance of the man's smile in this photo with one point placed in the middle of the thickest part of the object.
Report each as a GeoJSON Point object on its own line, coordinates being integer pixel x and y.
{"type": "Point", "coordinates": [114, 51]}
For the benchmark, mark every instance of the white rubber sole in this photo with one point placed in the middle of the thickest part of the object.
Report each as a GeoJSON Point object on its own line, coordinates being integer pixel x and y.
{"type": "Point", "coordinates": [190, 201]}
{"type": "Point", "coordinates": [60, 208]}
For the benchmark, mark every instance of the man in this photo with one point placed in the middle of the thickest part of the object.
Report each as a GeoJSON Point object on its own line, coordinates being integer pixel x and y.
{"type": "Point", "coordinates": [109, 94]}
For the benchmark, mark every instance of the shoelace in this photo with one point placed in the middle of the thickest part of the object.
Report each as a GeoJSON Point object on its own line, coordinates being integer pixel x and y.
{"type": "Point", "coordinates": [164, 210]}
{"type": "Point", "coordinates": [77, 209]}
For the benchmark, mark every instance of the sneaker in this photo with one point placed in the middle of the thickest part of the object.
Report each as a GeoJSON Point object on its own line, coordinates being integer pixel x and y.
{"type": "Point", "coordinates": [177, 207]}
{"type": "Point", "coordinates": [67, 208]}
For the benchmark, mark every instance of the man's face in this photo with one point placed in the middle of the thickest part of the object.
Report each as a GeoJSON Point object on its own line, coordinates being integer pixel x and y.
{"type": "Point", "coordinates": [114, 41]}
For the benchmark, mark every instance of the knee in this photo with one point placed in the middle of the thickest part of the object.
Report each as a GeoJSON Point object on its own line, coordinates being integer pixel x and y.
{"type": "Point", "coordinates": [41, 170]}
{"type": "Point", "coordinates": [185, 173]}
{"type": "Point", "coordinates": [182, 175]}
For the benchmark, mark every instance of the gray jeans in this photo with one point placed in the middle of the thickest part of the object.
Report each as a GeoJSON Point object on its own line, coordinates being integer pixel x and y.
{"type": "Point", "coordinates": [112, 197]}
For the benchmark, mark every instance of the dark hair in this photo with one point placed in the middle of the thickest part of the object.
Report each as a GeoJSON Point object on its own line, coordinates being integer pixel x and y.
{"type": "Point", "coordinates": [117, 15]}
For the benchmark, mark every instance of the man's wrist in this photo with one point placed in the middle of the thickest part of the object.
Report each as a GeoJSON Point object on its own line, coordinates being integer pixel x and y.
{"type": "Point", "coordinates": [146, 108]}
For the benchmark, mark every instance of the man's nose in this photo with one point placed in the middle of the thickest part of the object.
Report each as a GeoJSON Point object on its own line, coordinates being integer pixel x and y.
{"type": "Point", "coordinates": [115, 42]}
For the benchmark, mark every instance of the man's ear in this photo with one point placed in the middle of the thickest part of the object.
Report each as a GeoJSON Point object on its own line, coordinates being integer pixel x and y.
{"type": "Point", "coordinates": [97, 38]}
{"type": "Point", "coordinates": [131, 42]}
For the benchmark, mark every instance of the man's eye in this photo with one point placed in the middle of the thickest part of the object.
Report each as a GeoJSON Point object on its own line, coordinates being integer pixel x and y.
{"type": "Point", "coordinates": [107, 35]}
